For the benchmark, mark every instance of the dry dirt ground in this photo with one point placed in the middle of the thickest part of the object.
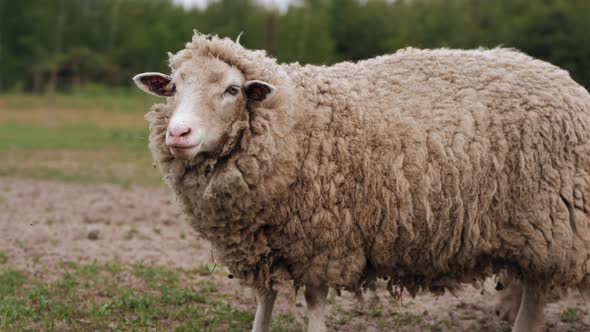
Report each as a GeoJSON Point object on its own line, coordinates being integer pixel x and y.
{"type": "Point", "coordinates": [43, 223]}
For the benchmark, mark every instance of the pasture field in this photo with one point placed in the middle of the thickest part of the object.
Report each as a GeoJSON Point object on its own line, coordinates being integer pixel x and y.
{"type": "Point", "coordinates": [91, 139]}
{"type": "Point", "coordinates": [91, 240]}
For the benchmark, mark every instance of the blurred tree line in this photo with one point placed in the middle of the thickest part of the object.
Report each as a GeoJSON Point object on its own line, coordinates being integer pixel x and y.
{"type": "Point", "coordinates": [61, 44]}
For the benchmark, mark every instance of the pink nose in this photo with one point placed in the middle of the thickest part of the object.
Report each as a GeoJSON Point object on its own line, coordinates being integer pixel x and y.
{"type": "Point", "coordinates": [179, 131]}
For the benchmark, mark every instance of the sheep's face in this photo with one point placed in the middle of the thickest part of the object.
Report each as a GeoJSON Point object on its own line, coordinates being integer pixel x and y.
{"type": "Point", "coordinates": [208, 97]}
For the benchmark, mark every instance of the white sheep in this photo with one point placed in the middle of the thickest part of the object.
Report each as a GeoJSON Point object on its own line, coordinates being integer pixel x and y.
{"type": "Point", "coordinates": [428, 168]}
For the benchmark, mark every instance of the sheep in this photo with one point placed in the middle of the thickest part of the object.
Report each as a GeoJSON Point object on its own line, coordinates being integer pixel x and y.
{"type": "Point", "coordinates": [427, 168]}
{"type": "Point", "coordinates": [509, 294]}
{"type": "Point", "coordinates": [507, 300]}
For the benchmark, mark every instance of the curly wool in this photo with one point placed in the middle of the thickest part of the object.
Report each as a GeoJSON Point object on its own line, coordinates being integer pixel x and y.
{"type": "Point", "coordinates": [426, 167]}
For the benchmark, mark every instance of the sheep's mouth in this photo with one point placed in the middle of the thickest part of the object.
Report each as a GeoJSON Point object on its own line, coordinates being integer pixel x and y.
{"type": "Point", "coordinates": [184, 152]}
{"type": "Point", "coordinates": [181, 146]}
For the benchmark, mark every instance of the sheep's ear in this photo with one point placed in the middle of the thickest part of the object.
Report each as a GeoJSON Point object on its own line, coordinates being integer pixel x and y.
{"type": "Point", "coordinates": [156, 84]}
{"type": "Point", "coordinates": [258, 90]}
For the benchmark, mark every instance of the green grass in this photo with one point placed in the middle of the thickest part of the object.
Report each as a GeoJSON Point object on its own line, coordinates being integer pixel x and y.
{"type": "Point", "coordinates": [570, 315]}
{"type": "Point", "coordinates": [56, 174]}
{"type": "Point", "coordinates": [440, 326]}
{"type": "Point", "coordinates": [91, 137]}
{"type": "Point", "coordinates": [502, 326]}
{"type": "Point", "coordinates": [118, 297]}
{"type": "Point", "coordinates": [107, 100]}
{"type": "Point", "coordinates": [407, 318]}
{"type": "Point", "coordinates": [282, 322]}
{"type": "Point", "coordinates": [16, 136]}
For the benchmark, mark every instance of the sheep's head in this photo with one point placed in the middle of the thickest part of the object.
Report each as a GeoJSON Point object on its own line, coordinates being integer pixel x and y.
{"type": "Point", "coordinates": [208, 96]}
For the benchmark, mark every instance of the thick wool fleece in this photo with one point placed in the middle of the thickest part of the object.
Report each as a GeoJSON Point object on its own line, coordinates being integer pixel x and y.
{"type": "Point", "coordinates": [426, 167]}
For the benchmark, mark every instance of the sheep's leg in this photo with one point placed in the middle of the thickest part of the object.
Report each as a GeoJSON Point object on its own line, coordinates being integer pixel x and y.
{"type": "Point", "coordinates": [266, 300]}
{"type": "Point", "coordinates": [508, 297]}
{"type": "Point", "coordinates": [530, 315]}
{"type": "Point", "coordinates": [586, 296]}
{"type": "Point", "coordinates": [316, 307]}
{"type": "Point", "coordinates": [374, 300]}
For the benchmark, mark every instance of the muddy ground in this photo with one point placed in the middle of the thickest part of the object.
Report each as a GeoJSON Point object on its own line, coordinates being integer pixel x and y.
{"type": "Point", "coordinates": [44, 223]}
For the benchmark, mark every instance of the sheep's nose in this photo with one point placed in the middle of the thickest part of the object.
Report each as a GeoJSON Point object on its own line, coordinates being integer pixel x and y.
{"type": "Point", "coordinates": [179, 131]}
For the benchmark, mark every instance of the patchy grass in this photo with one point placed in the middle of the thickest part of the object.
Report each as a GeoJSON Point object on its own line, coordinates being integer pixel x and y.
{"type": "Point", "coordinates": [210, 269]}
{"type": "Point", "coordinates": [100, 297]}
{"type": "Point", "coordinates": [52, 174]}
{"type": "Point", "coordinates": [502, 326]}
{"type": "Point", "coordinates": [441, 325]}
{"type": "Point", "coordinates": [59, 118]}
{"type": "Point", "coordinates": [378, 311]}
{"type": "Point", "coordinates": [104, 165]}
{"type": "Point", "coordinates": [132, 233]}
{"type": "Point", "coordinates": [3, 257]}
{"type": "Point", "coordinates": [408, 318]}
{"type": "Point", "coordinates": [87, 138]}
{"type": "Point", "coordinates": [105, 101]}
{"type": "Point", "coordinates": [83, 136]}
{"type": "Point", "coordinates": [285, 323]}
{"type": "Point", "coordinates": [570, 315]}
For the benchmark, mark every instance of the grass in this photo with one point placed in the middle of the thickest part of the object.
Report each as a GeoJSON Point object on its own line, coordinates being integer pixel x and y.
{"type": "Point", "coordinates": [407, 318]}
{"type": "Point", "coordinates": [502, 326]}
{"type": "Point", "coordinates": [83, 136]}
{"type": "Point", "coordinates": [132, 233]}
{"type": "Point", "coordinates": [570, 315]}
{"type": "Point", "coordinates": [120, 297]}
{"type": "Point", "coordinates": [282, 322]}
{"type": "Point", "coordinates": [90, 137]}
{"type": "Point", "coordinates": [440, 325]}
{"type": "Point", "coordinates": [378, 311]}
{"type": "Point", "coordinates": [107, 100]}
{"type": "Point", "coordinates": [56, 174]}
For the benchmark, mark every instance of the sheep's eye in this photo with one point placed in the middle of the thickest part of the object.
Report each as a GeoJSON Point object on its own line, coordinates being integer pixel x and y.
{"type": "Point", "coordinates": [171, 88]}
{"type": "Point", "coordinates": [232, 90]}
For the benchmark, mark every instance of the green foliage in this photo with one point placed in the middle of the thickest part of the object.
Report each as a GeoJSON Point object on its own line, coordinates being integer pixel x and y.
{"type": "Point", "coordinates": [64, 44]}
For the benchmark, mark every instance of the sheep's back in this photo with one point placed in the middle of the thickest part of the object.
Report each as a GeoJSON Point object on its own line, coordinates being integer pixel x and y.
{"type": "Point", "coordinates": [434, 165]}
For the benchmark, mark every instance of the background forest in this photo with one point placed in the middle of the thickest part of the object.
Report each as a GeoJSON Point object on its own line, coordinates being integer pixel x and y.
{"type": "Point", "coordinates": [66, 44]}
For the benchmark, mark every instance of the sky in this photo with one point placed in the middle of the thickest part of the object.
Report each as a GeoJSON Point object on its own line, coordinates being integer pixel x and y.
{"type": "Point", "coordinates": [280, 4]}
